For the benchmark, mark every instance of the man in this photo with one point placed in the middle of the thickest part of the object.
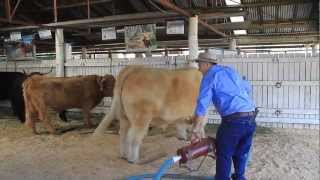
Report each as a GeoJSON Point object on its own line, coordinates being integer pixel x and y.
{"type": "Point", "coordinates": [227, 91]}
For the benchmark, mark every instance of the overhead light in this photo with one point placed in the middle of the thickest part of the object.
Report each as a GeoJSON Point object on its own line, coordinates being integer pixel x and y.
{"type": "Point", "coordinates": [237, 19]}
{"type": "Point", "coordinates": [239, 32]}
{"type": "Point", "coordinates": [233, 2]}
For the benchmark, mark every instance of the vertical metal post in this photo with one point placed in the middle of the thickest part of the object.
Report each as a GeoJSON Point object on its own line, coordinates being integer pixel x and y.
{"type": "Point", "coordinates": [14, 10]}
{"type": "Point", "coordinates": [314, 49]}
{"type": "Point", "coordinates": [55, 11]}
{"type": "Point", "coordinates": [88, 8]}
{"type": "Point", "coordinates": [83, 53]}
{"type": "Point", "coordinates": [59, 52]}
{"type": "Point", "coordinates": [8, 9]}
{"type": "Point", "coordinates": [89, 14]}
{"type": "Point", "coordinates": [307, 46]}
{"type": "Point", "coordinates": [34, 51]}
{"type": "Point", "coordinates": [148, 53]}
{"type": "Point", "coordinates": [139, 55]}
{"type": "Point", "coordinates": [233, 44]}
{"type": "Point", "coordinates": [68, 51]}
{"type": "Point", "coordinates": [193, 40]}
{"type": "Point", "coordinates": [166, 52]}
{"type": "Point", "coordinates": [110, 54]}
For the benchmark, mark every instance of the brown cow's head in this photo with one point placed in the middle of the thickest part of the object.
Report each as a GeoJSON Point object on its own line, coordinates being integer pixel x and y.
{"type": "Point", "coordinates": [106, 84]}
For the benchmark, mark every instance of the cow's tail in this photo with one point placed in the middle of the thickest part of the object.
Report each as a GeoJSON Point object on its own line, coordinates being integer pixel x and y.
{"type": "Point", "coordinates": [25, 85]}
{"type": "Point", "coordinates": [116, 107]}
{"type": "Point", "coordinates": [108, 118]}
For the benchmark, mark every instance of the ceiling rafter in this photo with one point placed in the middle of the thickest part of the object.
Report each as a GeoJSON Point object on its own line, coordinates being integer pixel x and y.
{"type": "Point", "coordinates": [64, 6]}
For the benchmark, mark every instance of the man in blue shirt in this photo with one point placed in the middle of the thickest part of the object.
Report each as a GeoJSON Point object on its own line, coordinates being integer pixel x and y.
{"type": "Point", "coordinates": [223, 87]}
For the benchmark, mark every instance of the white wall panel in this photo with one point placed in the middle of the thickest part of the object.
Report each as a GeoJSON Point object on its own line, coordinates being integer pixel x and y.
{"type": "Point", "coordinates": [308, 71]}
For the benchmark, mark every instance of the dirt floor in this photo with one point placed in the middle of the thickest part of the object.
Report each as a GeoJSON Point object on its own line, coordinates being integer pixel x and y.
{"type": "Point", "coordinates": [278, 154]}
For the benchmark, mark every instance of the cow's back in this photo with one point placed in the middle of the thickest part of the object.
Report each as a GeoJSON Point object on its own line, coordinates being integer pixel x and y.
{"type": "Point", "coordinates": [65, 93]}
{"type": "Point", "coordinates": [165, 94]}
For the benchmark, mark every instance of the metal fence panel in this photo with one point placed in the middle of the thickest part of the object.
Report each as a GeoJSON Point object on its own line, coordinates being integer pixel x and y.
{"type": "Point", "coordinates": [286, 87]}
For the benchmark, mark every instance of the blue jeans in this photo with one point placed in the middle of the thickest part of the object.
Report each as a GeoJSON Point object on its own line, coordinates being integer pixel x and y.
{"type": "Point", "coordinates": [234, 139]}
{"type": "Point", "coordinates": [248, 160]}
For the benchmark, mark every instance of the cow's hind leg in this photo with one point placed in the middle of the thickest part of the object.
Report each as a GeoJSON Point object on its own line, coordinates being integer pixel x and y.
{"type": "Point", "coordinates": [124, 127]}
{"type": "Point", "coordinates": [62, 116]}
{"type": "Point", "coordinates": [136, 133]}
{"type": "Point", "coordinates": [86, 115]}
{"type": "Point", "coordinates": [43, 115]}
{"type": "Point", "coordinates": [30, 117]}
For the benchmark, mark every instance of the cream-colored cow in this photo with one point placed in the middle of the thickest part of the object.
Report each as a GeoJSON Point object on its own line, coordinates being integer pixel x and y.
{"type": "Point", "coordinates": [144, 96]}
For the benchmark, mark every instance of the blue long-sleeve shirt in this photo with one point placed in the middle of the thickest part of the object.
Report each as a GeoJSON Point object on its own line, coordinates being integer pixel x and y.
{"type": "Point", "coordinates": [223, 87]}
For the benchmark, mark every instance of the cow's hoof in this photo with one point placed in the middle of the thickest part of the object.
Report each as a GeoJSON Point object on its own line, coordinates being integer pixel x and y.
{"type": "Point", "coordinates": [181, 138]}
{"type": "Point", "coordinates": [123, 157]}
{"type": "Point", "coordinates": [57, 132]}
{"type": "Point", "coordinates": [132, 162]}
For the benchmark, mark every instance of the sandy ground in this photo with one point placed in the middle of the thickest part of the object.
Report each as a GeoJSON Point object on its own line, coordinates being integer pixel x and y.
{"type": "Point", "coordinates": [278, 154]}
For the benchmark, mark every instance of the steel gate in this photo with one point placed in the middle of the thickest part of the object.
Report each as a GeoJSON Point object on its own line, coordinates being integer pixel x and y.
{"type": "Point", "coordinates": [286, 89]}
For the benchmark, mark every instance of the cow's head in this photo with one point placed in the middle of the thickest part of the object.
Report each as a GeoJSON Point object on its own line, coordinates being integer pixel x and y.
{"type": "Point", "coordinates": [106, 84]}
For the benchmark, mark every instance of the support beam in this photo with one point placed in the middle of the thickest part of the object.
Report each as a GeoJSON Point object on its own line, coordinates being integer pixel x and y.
{"type": "Point", "coordinates": [18, 22]}
{"type": "Point", "coordinates": [266, 24]}
{"type": "Point", "coordinates": [315, 49]}
{"type": "Point", "coordinates": [193, 38]}
{"type": "Point", "coordinates": [77, 4]}
{"type": "Point", "coordinates": [88, 14]}
{"type": "Point", "coordinates": [55, 11]}
{"type": "Point", "coordinates": [14, 10]}
{"type": "Point", "coordinates": [106, 19]}
{"type": "Point", "coordinates": [60, 59]}
{"type": "Point", "coordinates": [278, 39]}
{"type": "Point", "coordinates": [88, 9]}
{"type": "Point", "coordinates": [124, 19]}
{"type": "Point", "coordinates": [41, 6]}
{"type": "Point", "coordinates": [7, 8]}
{"type": "Point", "coordinates": [249, 40]}
{"type": "Point", "coordinates": [233, 44]}
{"type": "Point", "coordinates": [138, 5]}
{"type": "Point", "coordinates": [84, 53]}
{"type": "Point", "coordinates": [273, 3]}
{"type": "Point", "coordinates": [216, 15]}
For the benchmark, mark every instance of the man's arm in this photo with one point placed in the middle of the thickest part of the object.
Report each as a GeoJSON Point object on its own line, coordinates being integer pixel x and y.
{"type": "Point", "coordinates": [203, 101]}
{"type": "Point", "coordinates": [204, 97]}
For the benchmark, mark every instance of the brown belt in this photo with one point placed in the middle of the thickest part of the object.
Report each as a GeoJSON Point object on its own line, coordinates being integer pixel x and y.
{"type": "Point", "coordinates": [238, 115]}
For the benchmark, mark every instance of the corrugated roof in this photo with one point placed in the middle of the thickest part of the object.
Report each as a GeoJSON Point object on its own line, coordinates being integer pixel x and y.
{"type": "Point", "coordinates": [182, 3]}
{"type": "Point", "coordinates": [200, 3]}
{"type": "Point", "coordinates": [275, 13]}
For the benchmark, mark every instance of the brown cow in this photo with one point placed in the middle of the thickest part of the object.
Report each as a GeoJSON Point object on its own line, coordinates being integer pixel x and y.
{"type": "Point", "coordinates": [144, 96]}
{"type": "Point", "coordinates": [60, 93]}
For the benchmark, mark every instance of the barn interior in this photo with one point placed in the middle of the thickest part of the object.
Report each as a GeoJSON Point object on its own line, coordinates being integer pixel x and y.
{"type": "Point", "coordinates": [257, 26]}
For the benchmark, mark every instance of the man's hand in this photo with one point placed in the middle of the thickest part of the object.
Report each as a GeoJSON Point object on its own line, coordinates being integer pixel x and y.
{"type": "Point", "coordinates": [198, 124]}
